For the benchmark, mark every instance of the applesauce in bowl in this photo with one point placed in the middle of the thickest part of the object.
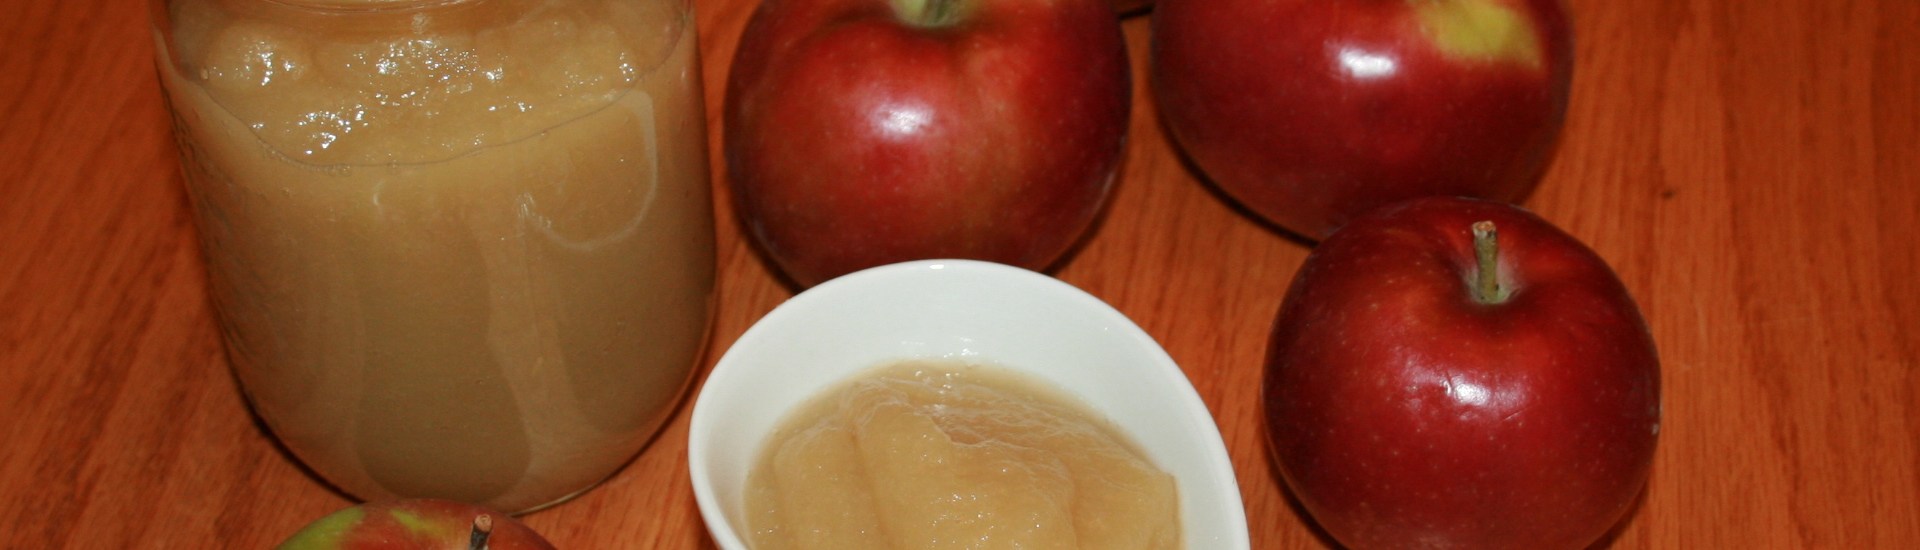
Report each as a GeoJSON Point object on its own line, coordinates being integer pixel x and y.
{"type": "Point", "coordinates": [939, 453]}
{"type": "Point", "coordinates": [459, 249]}
{"type": "Point", "coordinates": [968, 313]}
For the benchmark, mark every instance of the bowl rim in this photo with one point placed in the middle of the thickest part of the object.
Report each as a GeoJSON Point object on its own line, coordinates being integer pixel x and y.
{"type": "Point", "coordinates": [1221, 473]}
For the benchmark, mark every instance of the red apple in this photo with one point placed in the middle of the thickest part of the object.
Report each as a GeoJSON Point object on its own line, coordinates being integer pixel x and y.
{"type": "Point", "coordinates": [1311, 112]}
{"type": "Point", "coordinates": [868, 132]}
{"type": "Point", "coordinates": [1430, 387]}
{"type": "Point", "coordinates": [418, 524]}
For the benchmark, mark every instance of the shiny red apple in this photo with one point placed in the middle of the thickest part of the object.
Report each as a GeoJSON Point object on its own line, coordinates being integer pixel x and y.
{"type": "Point", "coordinates": [1456, 373]}
{"type": "Point", "coordinates": [868, 132]}
{"type": "Point", "coordinates": [416, 524]}
{"type": "Point", "coordinates": [1311, 112]}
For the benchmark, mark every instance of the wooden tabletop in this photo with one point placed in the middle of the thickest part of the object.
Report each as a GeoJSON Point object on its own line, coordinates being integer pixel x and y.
{"type": "Point", "coordinates": [1751, 169]}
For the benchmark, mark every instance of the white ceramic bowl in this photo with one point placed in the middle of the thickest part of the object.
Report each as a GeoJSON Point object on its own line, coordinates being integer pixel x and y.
{"type": "Point", "coordinates": [976, 311]}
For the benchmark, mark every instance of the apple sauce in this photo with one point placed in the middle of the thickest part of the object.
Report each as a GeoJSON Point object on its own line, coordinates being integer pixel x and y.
{"type": "Point", "coordinates": [937, 454]}
{"type": "Point", "coordinates": [459, 249]}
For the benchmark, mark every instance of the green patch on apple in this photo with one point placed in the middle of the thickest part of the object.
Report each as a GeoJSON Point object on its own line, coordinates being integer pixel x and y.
{"type": "Point", "coordinates": [931, 13]}
{"type": "Point", "coordinates": [1480, 29]}
{"type": "Point", "coordinates": [323, 533]}
{"type": "Point", "coordinates": [420, 526]}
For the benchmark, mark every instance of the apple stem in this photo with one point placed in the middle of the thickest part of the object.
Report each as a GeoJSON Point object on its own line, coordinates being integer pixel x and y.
{"type": "Point", "coordinates": [482, 528]}
{"type": "Point", "coordinates": [1486, 249]}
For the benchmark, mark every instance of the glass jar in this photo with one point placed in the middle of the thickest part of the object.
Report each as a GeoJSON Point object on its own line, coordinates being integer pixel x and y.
{"type": "Point", "coordinates": [459, 249]}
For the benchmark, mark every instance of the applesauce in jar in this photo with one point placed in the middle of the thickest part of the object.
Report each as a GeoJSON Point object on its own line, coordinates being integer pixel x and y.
{"type": "Point", "coordinates": [458, 248]}
{"type": "Point", "coordinates": [939, 454]}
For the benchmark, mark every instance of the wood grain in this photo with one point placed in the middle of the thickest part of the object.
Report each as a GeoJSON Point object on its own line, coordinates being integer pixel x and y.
{"type": "Point", "coordinates": [1751, 170]}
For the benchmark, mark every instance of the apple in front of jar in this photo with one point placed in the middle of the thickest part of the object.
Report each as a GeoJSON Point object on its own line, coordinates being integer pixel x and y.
{"type": "Point", "coordinates": [416, 524]}
{"type": "Point", "coordinates": [1457, 373]}
{"type": "Point", "coordinates": [1311, 112]}
{"type": "Point", "coordinates": [868, 132]}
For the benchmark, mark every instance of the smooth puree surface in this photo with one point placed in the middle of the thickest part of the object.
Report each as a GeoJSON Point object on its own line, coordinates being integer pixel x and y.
{"type": "Point", "coordinates": [939, 454]}
{"type": "Point", "coordinates": [459, 249]}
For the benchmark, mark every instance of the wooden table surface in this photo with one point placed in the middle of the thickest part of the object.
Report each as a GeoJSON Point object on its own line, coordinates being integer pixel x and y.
{"type": "Point", "coordinates": [1751, 169]}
